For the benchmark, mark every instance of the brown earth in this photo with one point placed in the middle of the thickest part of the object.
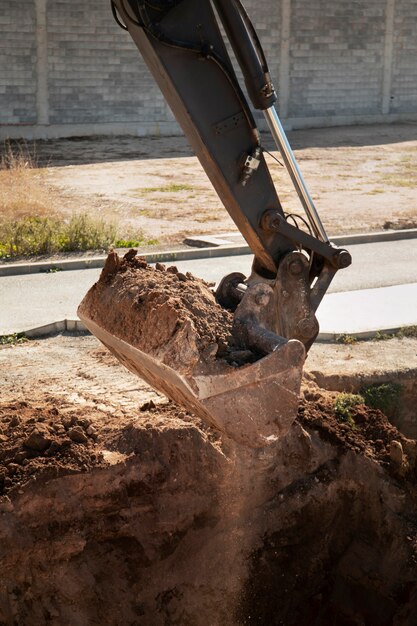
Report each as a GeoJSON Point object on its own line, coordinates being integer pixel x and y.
{"type": "Point", "coordinates": [151, 518]}
{"type": "Point", "coordinates": [361, 179]}
{"type": "Point", "coordinates": [146, 306]}
{"type": "Point", "coordinates": [163, 312]}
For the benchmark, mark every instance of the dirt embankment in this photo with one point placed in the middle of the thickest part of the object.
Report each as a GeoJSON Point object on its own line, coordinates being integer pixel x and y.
{"type": "Point", "coordinates": [154, 519]}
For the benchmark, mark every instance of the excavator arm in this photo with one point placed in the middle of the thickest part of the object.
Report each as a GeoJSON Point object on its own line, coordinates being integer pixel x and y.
{"type": "Point", "coordinates": [183, 44]}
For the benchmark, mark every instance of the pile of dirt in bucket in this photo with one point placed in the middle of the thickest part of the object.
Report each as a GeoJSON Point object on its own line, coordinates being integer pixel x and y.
{"type": "Point", "coordinates": [154, 518]}
{"type": "Point", "coordinates": [163, 311]}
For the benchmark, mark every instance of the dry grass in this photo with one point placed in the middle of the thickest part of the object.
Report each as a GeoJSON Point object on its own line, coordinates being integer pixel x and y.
{"type": "Point", "coordinates": [23, 191]}
{"type": "Point", "coordinates": [405, 172]}
{"type": "Point", "coordinates": [29, 223]}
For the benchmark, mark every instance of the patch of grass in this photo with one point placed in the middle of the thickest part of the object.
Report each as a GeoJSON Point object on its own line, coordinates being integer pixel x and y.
{"type": "Point", "coordinates": [51, 270]}
{"type": "Point", "coordinates": [409, 332]}
{"type": "Point", "coordinates": [13, 339]}
{"type": "Point", "coordinates": [16, 155]}
{"type": "Point", "coordinates": [347, 340]}
{"type": "Point", "coordinates": [134, 243]}
{"type": "Point", "coordinates": [23, 191]}
{"type": "Point", "coordinates": [374, 192]}
{"type": "Point", "coordinates": [385, 396]}
{"type": "Point", "coordinates": [404, 174]}
{"type": "Point", "coordinates": [40, 235]}
{"type": "Point", "coordinates": [170, 188]}
{"type": "Point", "coordinates": [381, 336]}
{"type": "Point", "coordinates": [343, 406]}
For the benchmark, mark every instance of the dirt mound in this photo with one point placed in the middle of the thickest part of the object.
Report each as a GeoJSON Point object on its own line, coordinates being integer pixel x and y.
{"type": "Point", "coordinates": [368, 432]}
{"type": "Point", "coordinates": [160, 521]}
{"type": "Point", "coordinates": [44, 441]}
{"type": "Point", "coordinates": [151, 517]}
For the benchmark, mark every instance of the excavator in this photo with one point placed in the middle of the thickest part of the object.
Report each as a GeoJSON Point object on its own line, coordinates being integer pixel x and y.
{"type": "Point", "coordinates": [188, 46]}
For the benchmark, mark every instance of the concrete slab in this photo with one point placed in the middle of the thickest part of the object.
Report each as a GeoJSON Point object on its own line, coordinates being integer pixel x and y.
{"type": "Point", "coordinates": [368, 310]}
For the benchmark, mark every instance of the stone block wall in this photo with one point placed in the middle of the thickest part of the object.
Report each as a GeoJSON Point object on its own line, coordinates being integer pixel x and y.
{"type": "Point", "coordinates": [67, 68]}
{"type": "Point", "coordinates": [18, 82]}
{"type": "Point", "coordinates": [404, 71]}
{"type": "Point", "coordinates": [336, 57]}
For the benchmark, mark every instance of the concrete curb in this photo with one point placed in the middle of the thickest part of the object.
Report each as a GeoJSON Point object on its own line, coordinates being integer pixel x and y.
{"type": "Point", "coordinates": [170, 256]}
{"type": "Point", "coordinates": [76, 326]}
{"type": "Point", "coordinates": [54, 328]}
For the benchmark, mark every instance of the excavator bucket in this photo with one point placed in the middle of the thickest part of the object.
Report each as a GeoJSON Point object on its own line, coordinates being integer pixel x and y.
{"type": "Point", "coordinates": [168, 329]}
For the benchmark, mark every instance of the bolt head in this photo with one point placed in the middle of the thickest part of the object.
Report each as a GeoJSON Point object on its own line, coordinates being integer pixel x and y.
{"type": "Point", "coordinates": [307, 327]}
{"type": "Point", "coordinates": [296, 267]}
{"type": "Point", "coordinates": [344, 259]}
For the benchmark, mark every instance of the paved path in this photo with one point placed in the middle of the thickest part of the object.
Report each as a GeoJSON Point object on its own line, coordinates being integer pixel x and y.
{"type": "Point", "coordinates": [379, 290]}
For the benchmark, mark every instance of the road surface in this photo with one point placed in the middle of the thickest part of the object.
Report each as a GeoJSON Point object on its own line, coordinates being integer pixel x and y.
{"type": "Point", "coordinates": [366, 296]}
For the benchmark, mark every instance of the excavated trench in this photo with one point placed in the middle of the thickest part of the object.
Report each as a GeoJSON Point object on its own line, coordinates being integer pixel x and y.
{"type": "Point", "coordinates": [154, 519]}
{"type": "Point", "coordinates": [162, 522]}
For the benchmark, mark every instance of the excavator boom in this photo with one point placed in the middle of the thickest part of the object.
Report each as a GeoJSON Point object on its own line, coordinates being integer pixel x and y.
{"type": "Point", "coordinates": [182, 43]}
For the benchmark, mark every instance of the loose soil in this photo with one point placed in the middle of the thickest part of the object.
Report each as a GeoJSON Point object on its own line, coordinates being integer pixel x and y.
{"type": "Point", "coordinates": [147, 306]}
{"type": "Point", "coordinates": [163, 312]}
{"type": "Point", "coordinates": [361, 179]}
{"type": "Point", "coordinates": [152, 518]}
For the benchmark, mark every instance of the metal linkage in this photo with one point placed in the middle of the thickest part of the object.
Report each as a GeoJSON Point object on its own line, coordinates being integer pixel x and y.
{"type": "Point", "coordinates": [291, 164]}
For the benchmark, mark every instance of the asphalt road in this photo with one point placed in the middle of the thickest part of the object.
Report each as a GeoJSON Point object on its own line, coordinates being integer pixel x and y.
{"type": "Point", "coordinates": [35, 299]}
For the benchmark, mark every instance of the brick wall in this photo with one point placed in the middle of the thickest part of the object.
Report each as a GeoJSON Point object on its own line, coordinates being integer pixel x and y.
{"type": "Point", "coordinates": [95, 73]}
{"type": "Point", "coordinates": [336, 57]}
{"type": "Point", "coordinates": [65, 64]}
{"type": "Point", "coordinates": [404, 62]}
{"type": "Point", "coordinates": [17, 62]}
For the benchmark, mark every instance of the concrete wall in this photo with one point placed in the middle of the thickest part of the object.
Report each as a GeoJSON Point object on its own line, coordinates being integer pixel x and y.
{"type": "Point", "coordinates": [18, 59]}
{"type": "Point", "coordinates": [66, 68]}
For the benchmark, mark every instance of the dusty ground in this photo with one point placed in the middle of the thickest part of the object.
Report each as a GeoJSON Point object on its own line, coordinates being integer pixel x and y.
{"type": "Point", "coordinates": [360, 178]}
{"type": "Point", "coordinates": [124, 512]}
{"type": "Point", "coordinates": [78, 371]}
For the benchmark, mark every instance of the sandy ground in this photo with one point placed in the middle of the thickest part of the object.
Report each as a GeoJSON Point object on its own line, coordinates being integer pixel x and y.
{"type": "Point", "coordinates": [360, 178]}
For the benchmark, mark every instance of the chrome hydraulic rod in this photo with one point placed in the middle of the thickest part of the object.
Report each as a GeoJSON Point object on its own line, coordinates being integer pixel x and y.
{"type": "Point", "coordinates": [291, 164]}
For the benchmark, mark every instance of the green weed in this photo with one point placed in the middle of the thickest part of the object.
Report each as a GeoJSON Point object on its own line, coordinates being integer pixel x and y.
{"type": "Point", "coordinates": [381, 336]}
{"type": "Point", "coordinates": [42, 235]}
{"type": "Point", "coordinates": [343, 406]}
{"type": "Point", "coordinates": [409, 332]}
{"type": "Point", "coordinates": [385, 396]}
{"type": "Point", "coordinates": [347, 340]}
{"type": "Point", "coordinates": [13, 339]}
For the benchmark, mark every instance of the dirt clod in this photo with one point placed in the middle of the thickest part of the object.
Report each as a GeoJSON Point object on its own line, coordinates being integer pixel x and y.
{"type": "Point", "coordinates": [77, 435]}
{"type": "Point", "coordinates": [38, 440]}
